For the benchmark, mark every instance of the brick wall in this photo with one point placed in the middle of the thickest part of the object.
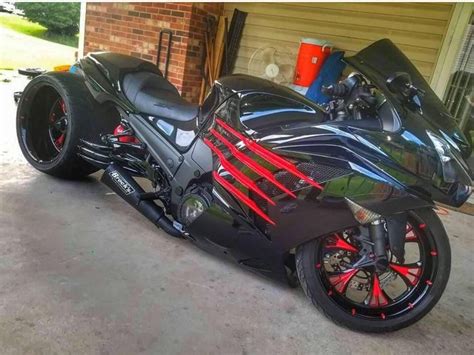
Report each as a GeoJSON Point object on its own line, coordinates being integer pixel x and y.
{"type": "Point", "coordinates": [133, 29]}
{"type": "Point", "coordinates": [197, 26]}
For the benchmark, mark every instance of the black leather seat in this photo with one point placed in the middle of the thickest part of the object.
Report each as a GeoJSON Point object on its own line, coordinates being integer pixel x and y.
{"type": "Point", "coordinates": [154, 95]}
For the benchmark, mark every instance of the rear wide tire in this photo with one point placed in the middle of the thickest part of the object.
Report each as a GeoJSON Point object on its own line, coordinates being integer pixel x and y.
{"type": "Point", "coordinates": [84, 121]}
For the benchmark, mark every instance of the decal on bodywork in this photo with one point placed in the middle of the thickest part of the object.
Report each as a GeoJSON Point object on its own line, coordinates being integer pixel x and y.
{"type": "Point", "coordinates": [122, 183]}
{"type": "Point", "coordinates": [243, 179]}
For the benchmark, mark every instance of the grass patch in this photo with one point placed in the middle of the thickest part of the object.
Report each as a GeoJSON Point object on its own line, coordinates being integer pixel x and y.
{"type": "Point", "coordinates": [71, 41]}
{"type": "Point", "coordinates": [22, 25]}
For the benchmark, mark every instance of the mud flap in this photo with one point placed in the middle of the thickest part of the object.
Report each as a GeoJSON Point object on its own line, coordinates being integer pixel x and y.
{"type": "Point", "coordinates": [396, 227]}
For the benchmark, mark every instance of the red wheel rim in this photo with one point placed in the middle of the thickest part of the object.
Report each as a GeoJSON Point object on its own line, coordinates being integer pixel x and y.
{"type": "Point", "coordinates": [364, 292]}
{"type": "Point", "coordinates": [58, 124]}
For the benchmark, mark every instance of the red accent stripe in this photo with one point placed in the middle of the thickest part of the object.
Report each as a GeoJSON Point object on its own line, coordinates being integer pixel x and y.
{"type": "Point", "coordinates": [260, 170]}
{"type": "Point", "coordinates": [237, 174]}
{"type": "Point", "coordinates": [237, 193]}
{"type": "Point", "coordinates": [271, 157]}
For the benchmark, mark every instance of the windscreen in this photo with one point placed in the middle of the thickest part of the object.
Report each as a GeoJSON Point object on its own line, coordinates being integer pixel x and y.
{"type": "Point", "coordinates": [381, 60]}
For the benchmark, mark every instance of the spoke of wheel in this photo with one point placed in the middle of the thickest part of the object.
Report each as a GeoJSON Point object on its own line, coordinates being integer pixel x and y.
{"type": "Point", "coordinates": [60, 141]}
{"type": "Point", "coordinates": [377, 297]}
{"type": "Point", "coordinates": [342, 244]}
{"type": "Point", "coordinates": [62, 105]}
{"type": "Point", "coordinates": [410, 273]}
{"type": "Point", "coordinates": [340, 280]}
{"type": "Point", "coordinates": [410, 235]}
{"type": "Point", "coordinates": [59, 126]}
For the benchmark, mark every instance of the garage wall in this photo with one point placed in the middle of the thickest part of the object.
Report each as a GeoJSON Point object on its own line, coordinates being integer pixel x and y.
{"type": "Point", "coordinates": [418, 29]}
{"type": "Point", "coordinates": [133, 29]}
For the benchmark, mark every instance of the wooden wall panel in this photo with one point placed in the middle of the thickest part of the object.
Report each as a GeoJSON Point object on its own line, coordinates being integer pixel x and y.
{"type": "Point", "coordinates": [417, 28]}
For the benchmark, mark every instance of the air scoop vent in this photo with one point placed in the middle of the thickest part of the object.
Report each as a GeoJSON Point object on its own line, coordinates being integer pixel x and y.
{"type": "Point", "coordinates": [275, 160]}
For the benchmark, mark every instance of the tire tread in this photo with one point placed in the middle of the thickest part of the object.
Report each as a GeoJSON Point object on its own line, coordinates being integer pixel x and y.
{"type": "Point", "coordinates": [83, 123]}
{"type": "Point", "coordinates": [305, 272]}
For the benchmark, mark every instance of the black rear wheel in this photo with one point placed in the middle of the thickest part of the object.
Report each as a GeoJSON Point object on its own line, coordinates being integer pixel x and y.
{"type": "Point", "coordinates": [366, 300]}
{"type": "Point", "coordinates": [55, 112]}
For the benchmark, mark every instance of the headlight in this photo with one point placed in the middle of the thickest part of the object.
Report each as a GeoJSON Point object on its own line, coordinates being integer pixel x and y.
{"type": "Point", "coordinates": [451, 163]}
{"type": "Point", "coordinates": [441, 146]}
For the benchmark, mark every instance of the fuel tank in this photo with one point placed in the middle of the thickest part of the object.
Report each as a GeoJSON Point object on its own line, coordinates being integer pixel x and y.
{"type": "Point", "coordinates": [258, 103]}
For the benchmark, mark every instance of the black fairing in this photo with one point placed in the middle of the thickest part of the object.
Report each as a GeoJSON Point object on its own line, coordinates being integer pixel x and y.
{"type": "Point", "coordinates": [385, 172]}
{"type": "Point", "coordinates": [381, 60]}
{"type": "Point", "coordinates": [104, 73]}
{"type": "Point", "coordinates": [115, 66]}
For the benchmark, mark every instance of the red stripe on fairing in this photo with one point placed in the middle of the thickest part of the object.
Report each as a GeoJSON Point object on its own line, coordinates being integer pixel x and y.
{"type": "Point", "coordinates": [237, 174]}
{"type": "Point", "coordinates": [237, 193]}
{"type": "Point", "coordinates": [260, 170]}
{"type": "Point", "coordinates": [271, 157]}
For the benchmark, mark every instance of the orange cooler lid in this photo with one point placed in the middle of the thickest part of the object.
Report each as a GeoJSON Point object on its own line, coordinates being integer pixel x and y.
{"type": "Point", "coordinates": [318, 42]}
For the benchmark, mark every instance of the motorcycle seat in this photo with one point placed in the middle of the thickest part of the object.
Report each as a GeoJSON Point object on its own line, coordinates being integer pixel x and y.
{"type": "Point", "coordinates": [152, 94]}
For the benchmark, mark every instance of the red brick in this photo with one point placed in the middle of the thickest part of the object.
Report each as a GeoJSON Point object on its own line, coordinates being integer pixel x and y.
{"type": "Point", "coordinates": [133, 29]}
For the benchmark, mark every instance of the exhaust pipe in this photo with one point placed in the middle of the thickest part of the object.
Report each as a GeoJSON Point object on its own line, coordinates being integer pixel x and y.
{"type": "Point", "coordinates": [122, 183]}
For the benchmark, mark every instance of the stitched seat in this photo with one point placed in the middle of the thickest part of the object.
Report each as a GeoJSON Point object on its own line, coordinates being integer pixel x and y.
{"type": "Point", "coordinates": [154, 95]}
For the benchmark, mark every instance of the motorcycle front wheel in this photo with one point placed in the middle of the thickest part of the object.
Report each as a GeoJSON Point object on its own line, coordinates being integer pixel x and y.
{"type": "Point", "coordinates": [365, 300]}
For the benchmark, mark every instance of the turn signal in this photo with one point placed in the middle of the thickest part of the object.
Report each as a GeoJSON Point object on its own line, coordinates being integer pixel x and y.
{"type": "Point", "coordinates": [361, 214]}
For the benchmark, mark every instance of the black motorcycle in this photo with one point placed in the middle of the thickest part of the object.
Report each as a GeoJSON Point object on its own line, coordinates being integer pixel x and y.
{"type": "Point", "coordinates": [339, 199]}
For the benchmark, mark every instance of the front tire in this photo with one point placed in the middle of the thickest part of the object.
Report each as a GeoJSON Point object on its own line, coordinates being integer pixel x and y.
{"type": "Point", "coordinates": [357, 298]}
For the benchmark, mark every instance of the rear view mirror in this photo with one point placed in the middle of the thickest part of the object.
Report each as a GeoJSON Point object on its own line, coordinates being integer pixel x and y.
{"type": "Point", "coordinates": [401, 85]}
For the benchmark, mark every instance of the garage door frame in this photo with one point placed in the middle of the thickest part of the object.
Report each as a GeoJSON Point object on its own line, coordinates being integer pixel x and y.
{"type": "Point", "coordinates": [452, 42]}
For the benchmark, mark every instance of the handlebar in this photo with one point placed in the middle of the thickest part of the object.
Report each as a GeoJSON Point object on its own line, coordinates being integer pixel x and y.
{"type": "Point", "coordinates": [336, 90]}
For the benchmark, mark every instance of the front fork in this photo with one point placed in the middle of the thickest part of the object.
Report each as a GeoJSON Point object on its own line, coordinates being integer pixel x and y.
{"type": "Point", "coordinates": [377, 235]}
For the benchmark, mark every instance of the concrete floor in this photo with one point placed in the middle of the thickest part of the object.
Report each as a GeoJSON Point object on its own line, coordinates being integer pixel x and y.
{"type": "Point", "coordinates": [82, 272]}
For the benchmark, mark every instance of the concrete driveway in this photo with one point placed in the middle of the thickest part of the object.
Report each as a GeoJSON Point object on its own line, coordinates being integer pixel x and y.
{"type": "Point", "coordinates": [21, 51]}
{"type": "Point", "coordinates": [82, 272]}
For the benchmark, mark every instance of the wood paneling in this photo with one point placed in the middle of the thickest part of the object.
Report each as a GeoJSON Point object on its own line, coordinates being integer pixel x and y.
{"type": "Point", "coordinates": [418, 29]}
